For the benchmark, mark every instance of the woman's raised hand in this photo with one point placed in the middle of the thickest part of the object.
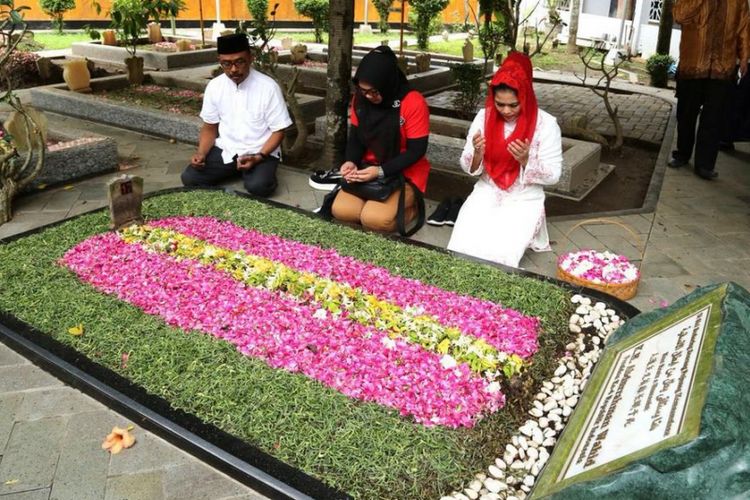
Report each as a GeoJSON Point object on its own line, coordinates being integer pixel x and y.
{"type": "Point", "coordinates": [520, 151]}
{"type": "Point", "coordinates": [478, 141]}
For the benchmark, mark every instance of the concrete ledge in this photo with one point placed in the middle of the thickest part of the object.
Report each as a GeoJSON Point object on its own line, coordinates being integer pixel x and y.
{"type": "Point", "coordinates": [151, 59]}
{"type": "Point", "coordinates": [58, 99]}
{"type": "Point", "coordinates": [73, 158]}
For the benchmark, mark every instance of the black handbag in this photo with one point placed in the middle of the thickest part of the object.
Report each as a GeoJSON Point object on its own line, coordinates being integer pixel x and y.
{"type": "Point", "coordinates": [377, 189]}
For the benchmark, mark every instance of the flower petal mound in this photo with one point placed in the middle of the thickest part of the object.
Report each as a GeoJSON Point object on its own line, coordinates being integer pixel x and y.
{"type": "Point", "coordinates": [431, 354]}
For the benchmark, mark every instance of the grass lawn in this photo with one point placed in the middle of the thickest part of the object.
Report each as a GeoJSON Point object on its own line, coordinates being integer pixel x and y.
{"type": "Point", "coordinates": [558, 59]}
{"type": "Point", "coordinates": [53, 41]}
{"type": "Point", "coordinates": [365, 449]}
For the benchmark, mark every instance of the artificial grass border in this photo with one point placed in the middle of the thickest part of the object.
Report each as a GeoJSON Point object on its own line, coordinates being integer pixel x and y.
{"type": "Point", "coordinates": [420, 262]}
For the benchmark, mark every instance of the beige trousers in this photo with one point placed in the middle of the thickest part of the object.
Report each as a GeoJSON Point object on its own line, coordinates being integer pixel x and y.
{"type": "Point", "coordinates": [374, 215]}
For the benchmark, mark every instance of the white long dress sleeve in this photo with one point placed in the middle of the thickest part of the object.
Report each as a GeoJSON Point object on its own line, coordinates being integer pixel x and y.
{"type": "Point", "coordinates": [496, 224]}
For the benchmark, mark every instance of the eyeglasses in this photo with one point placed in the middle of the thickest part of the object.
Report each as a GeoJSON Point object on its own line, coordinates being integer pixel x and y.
{"type": "Point", "coordinates": [372, 92]}
{"type": "Point", "coordinates": [237, 62]}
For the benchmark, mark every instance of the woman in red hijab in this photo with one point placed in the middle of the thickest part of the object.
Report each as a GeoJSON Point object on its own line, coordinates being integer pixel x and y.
{"type": "Point", "coordinates": [515, 149]}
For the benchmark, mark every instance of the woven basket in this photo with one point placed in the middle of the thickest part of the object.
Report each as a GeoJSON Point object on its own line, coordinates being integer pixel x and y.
{"type": "Point", "coordinates": [623, 291]}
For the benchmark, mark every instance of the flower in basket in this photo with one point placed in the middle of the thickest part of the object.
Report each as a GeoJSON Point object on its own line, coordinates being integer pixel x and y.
{"type": "Point", "coordinates": [165, 47]}
{"type": "Point", "coordinates": [602, 268]}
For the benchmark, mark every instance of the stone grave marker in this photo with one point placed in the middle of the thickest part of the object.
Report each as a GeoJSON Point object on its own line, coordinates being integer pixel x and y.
{"type": "Point", "coordinates": [16, 127]}
{"type": "Point", "coordinates": [125, 194]}
{"type": "Point", "coordinates": [666, 413]}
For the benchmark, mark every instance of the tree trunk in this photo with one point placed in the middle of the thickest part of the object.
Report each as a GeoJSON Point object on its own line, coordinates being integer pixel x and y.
{"type": "Point", "coordinates": [340, 39]}
{"type": "Point", "coordinates": [7, 192]}
{"type": "Point", "coordinates": [575, 9]}
{"type": "Point", "coordinates": [665, 28]}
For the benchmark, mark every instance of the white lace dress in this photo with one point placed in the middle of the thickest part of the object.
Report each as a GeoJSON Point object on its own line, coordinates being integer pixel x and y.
{"type": "Point", "coordinates": [498, 224]}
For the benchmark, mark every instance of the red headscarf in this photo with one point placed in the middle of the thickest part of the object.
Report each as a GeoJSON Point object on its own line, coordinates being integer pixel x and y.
{"type": "Point", "coordinates": [500, 165]}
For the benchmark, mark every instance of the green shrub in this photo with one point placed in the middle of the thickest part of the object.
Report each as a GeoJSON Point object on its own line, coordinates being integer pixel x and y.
{"type": "Point", "coordinates": [427, 12]}
{"type": "Point", "coordinates": [469, 79]}
{"type": "Point", "coordinates": [658, 68]}
{"type": "Point", "coordinates": [131, 17]}
{"type": "Point", "coordinates": [384, 8]}
{"type": "Point", "coordinates": [258, 10]}
{"type": "Point", "coordinates": [317, 10]}
{"type": "Point", "coordinates": [56, 9]}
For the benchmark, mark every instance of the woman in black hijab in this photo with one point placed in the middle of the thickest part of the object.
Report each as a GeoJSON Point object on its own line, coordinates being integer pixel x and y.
{"type": "Point", "coordinates": [387, 138]}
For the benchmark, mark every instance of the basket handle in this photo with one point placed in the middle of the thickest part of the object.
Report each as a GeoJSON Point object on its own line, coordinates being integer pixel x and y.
{"type": "Point", "coordinates": [639, 242]}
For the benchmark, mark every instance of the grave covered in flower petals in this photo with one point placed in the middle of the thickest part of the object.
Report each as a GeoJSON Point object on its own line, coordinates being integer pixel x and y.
{"type": "Point", "coordinates": [374, 367]}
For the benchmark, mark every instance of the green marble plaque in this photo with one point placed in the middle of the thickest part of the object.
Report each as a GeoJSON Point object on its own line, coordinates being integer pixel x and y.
{"type": "Point", "coordinates": [650, 420]}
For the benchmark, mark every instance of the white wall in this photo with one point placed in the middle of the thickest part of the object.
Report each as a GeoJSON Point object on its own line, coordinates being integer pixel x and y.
{"type": "Point", "coordinates": [647, 41]}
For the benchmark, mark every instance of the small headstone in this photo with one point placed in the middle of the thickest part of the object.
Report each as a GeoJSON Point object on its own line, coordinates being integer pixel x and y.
{"type": "Point", "coordinates": [183, 45]}
{"type": "Point", "coordinates": [125, 194]}
{"type": "Point", "coordinates": [445, 35]}
{"type": "Point", "coordinates": [109, 37]}
{"type": "Point", "coordinates": [403, 64]}
{"type": "Point", "coordinates": [287, 42]}
{"type": "Point", "coordinates": [468, 50]}
{"type": "Point", "coordinates": [365, 29]}
{"type": "Point", "coordinates": [48, 71]}
{"type": "Point", "coordinates": [154, 32]}
{"type": "Point", "coordinates": [666, 412]}
{"type": "Point", "coordinates": [299, 53]}
{"type": "Point", "coordinates": [423, 62]}
{"type": "Point", "coordinates": [15, 125]}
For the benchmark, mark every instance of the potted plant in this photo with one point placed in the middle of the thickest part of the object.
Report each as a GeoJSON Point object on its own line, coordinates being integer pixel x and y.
{"type": "Point", "coordinates": [658, 69]}
{"type": "Point", "coordinates": [130, 18]}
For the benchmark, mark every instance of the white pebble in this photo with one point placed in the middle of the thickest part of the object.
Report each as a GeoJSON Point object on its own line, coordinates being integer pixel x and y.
{"type": "Point", "coordinates": [576, 298]}
{"type": "Point", "coordinates": [561, 370]}
{"type": "Point", "coordinates": [551, 404]}
{"type": "Point", "coordinates": [532, 453]}
{"type": "Point", "coordinates": [582, 310]}
{"type": "Point", "coordinates": [596, 340]}
{"type": "Point", "coordinates": [543, 422]}
{"type": "Point", "coordinates": [517, 465]}
{"type": "Point", "coordinates": [460, 496]}
{"type": "Point", "coordinates": [500, 464]}
{"type": "Point", "coordinates": [550, 441]}
{"type": "Point", "coordinates": [523, 442]}
{"type": "Point", "coordinates": [511, 449]}
{"type": "Point", "coordinates": [536, 412]}
{"type": "Point", "coordinates": [601, 306]}
{"type": "Point", "coordinates": [496, 472]}
{"type": "Point", "coordinates": [572, 401]}
{"type": "Point", "coordinates": [476, 485]}
{"type": "Point", "coordinates": [494, 485]}
{"type": "Point", "coordinates": [473, 495]}
{"type": "Point", "coordinates": [490, 496]}
{"type": "Point", "coordinates": [566, 411]}
{"type": "Point", "coordinates": [586, 301]}
{"type": "Point", "coordinates": [480, 476]}
{"type": "Point", "coordinates": [525, 488]}
{"type": "Point", "coordinates": [528, 480]}
{"type": "Point", "coordinates": [538, 436]}
{"type": "Point", "coordinates": [575, 328]}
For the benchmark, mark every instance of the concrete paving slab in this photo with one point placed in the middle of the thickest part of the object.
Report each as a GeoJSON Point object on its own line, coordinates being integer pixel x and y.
{"type": "Point", "coordinates": [61, 400]}
{"type": "Point", "coordinates": [40, 494]}
{"type": "Point", "coordinates": [9, 357]}
{"type": "Point", "coordinates": [83, 466]}
{"type": "Point", "coordinates": [143, 486]}
{"type": "Point", "coordinates": [30, 458]}
{"type": "Point", "coordinates": [148, 454]}
{"type": "Point", "coordinates": [9, 404]}
{"type": "Point", "coordinates": [25, 377]}
{"type": "Point", "coordinates": [198, 482]}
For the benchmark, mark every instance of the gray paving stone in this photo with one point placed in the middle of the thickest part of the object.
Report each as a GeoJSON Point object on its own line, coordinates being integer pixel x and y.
{"type": "Point", "coordinates": [149, 453]}
{"type": "Point", "coordinates": [143, 486]}
{"type": "Point", "coordinates": [9, 357]}
{"type": "Point", "coordinates": [24, 377]}
{"type": "Point", "coordinates": [60, 400]}
{"type": "Point", "coordinates": [83, 465]}
{"type": "Point", "coordinates": [9, 404]}
{"type": "Point", "coordinates": [41, 494]}
{"type": "Point", "coordinates": [197, 482]}
{"type": "Point", "coordinates": [31, 455]}
{"type": "Point", "coordinates": [61, 200]}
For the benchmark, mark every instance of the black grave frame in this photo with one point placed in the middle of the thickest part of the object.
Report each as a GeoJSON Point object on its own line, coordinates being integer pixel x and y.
{"type": "Point", "coordinates": [232, 456]}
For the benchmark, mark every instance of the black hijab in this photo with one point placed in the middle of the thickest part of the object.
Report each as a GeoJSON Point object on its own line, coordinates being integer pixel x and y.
{"type": "Point", "coordinates": [380, 124]}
